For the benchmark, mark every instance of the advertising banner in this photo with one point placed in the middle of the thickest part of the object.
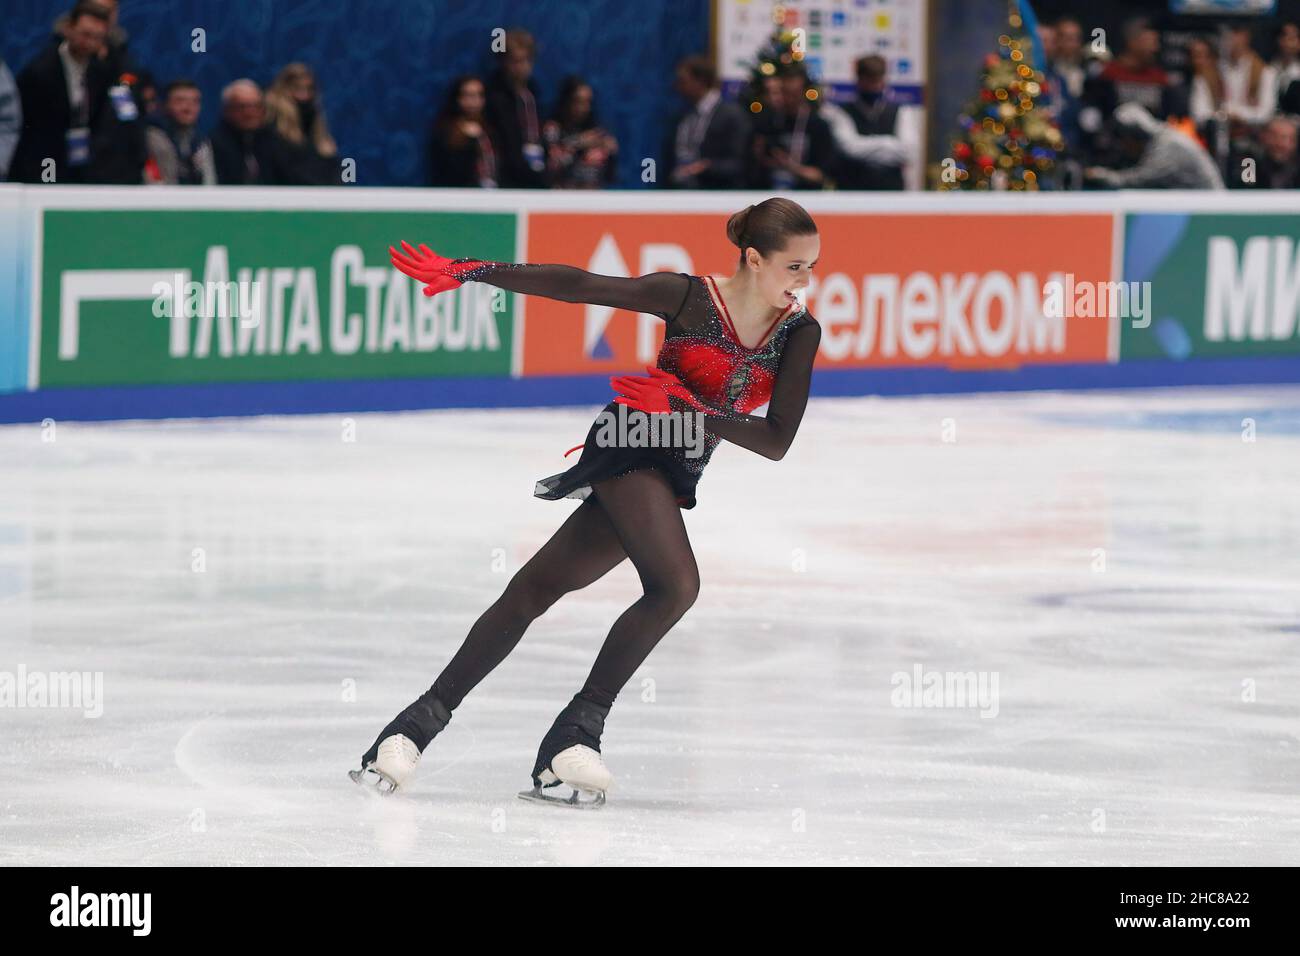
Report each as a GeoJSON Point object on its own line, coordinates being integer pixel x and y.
{"type": "Point", "coordinates": [948, 291]}
{"type": "Point", "coordinates": [1221, 286]}
{"type": "Point", "coordinates": [145, 297]}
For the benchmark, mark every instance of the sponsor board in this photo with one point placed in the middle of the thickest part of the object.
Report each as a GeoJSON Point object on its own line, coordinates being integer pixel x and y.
{"type": "Point", "coordinates": [1222, 286]}
{"type": "Point", "coordinates": [141, 297]}
{"type": "Point", "coordinates": [961, 291]}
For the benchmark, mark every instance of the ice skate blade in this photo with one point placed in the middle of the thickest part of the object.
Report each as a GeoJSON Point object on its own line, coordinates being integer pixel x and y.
{"type": "Point", "coordinates": [373, 781]}
{"type": "Point", "coordinates": [593, 799]}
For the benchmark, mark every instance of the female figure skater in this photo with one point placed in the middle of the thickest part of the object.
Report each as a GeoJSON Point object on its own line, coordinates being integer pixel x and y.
{"type": "Point", "coordinates": [730, 345]}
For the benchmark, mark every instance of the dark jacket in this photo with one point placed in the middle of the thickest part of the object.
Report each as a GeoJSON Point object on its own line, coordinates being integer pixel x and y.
{"type": "Point", "coordinates": [777, 130]}
{"type": "Point", "coordinates": [259, 158]}
{"type": "Point", "coordinates": [506, 115]}
{"type": "Point", "coordinates": [459, 165]}
{"type": "Point", "coordinates": [725, 141]}
{"type": "Point", "coordinates": [47, 117]}
{"type": "Point", "coordinates": [871, 118]}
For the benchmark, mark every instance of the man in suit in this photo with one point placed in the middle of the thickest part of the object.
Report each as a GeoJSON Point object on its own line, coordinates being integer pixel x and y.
{"type": "Point", "coordinates": [706, 148]}
{"type": "Point", "coordinates": [246, 151]}
{"type": "Point", "coordinates": [63, 92]}
{"type": "Point", "coordinates": [513, 112]}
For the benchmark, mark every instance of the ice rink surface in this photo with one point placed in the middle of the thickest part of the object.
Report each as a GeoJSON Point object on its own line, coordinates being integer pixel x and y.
{"type": "Point", "coordinates": [261, 596]}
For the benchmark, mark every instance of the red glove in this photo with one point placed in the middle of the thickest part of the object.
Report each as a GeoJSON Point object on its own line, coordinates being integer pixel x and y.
{"type": "Point", "coordinates": [660, 391]}
{"type": "Point", "coordinates": [437, 272]}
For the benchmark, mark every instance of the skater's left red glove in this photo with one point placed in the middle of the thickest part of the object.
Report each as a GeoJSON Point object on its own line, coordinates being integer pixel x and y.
{"type": "Point", "coordinates": [437, 272]}
{"type": "Point", "coordinates": [659, 391]}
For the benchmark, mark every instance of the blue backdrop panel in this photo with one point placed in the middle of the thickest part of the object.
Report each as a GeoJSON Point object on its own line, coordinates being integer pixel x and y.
{"type": "Point", "coordinates": [383, 67]}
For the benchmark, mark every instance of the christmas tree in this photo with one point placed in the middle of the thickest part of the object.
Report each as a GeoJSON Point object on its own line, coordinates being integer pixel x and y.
{"type": "Point", "coordinates": [1007, 140]}
{"type": "Point", "coordinates": [780, 55]}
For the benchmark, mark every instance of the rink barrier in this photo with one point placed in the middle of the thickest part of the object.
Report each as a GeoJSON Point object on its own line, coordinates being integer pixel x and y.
{"type": "Point", "coordinates": [390, 395]}
{"type": "Point", "coordinates": [919, 293]}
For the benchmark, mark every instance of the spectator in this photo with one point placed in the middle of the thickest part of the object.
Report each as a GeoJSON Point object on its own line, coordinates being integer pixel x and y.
{"type": "Point", "coordinates": [1070, 71]}
{"type": "Point", "coordinates": [1286, 67]}
{"type": "Point", "coordinates": [1276, 166]}
{"type": "Point", "coordinates": [794, 148]}
{"type": "Point", "coordinates": [765, 125]}
{"type": "Point", "coordinates": [1166, 158]}
{"type": "Point", "coordinates": [1069, 61]}
{"type": "Point", "coordinates": [295, 112]}
{"type": "Point", "coordinates": [1249, 94]}
{"type": "Point", "coordinates": [512, 112]}
{"type": "Point", "coordinates": [146, 94]}
{"type": "Point", "coordinates": [707, 146]}
{"type": "Point", "coordinates": [245, 150]}
{"type": "Point", "coordinates": [1135, 76]}
{"type": "Point", "coordinates": [866, 132]}
{"type": "Point", "coordinates": [1050, 93]}
{"type": "Point", "coordinates": [1207, 81]}
{"type": "Point", "coordinates": [113, 54]}
{"type": "Point", "coordinates": [579, 153]}
{"type": "Point", "coordinates": [63, 92]}
{"type": "Point", "coordinates": [179, 154]}
{"type": "Point", "coordinates": [464, 151]}
{"type": "Point", "coordinates": [11, 118]}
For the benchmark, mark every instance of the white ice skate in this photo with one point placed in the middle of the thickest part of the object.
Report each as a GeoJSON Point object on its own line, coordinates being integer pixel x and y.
{"type": "Point", "coordinates": [393, 766]}
{"type": "Point", "coordinates": [580, 768]}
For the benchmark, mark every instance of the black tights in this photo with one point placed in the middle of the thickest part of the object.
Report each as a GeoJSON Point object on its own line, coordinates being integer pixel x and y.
{"type": "Point", "coordinates": [634, 516]}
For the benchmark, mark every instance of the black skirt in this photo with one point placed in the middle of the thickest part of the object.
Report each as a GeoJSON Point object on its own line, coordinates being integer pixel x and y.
{"type": "Point", "coordinates": [598, 463]}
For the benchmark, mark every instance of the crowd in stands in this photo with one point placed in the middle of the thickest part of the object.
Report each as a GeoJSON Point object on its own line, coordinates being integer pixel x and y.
{"type": "Point", "coordinates": [84, 111]}
{"type": "Point", "coordinates": [1224, 118]}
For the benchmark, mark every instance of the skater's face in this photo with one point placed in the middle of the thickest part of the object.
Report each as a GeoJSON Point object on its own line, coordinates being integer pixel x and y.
{"type": "Point", "coordinates": [785, 272]}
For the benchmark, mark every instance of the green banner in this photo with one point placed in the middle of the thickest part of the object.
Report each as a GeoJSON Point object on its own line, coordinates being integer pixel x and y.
{"type": "Point", "coordinates": [134, 297]}
{"type": "Point", "coordinates": [1221, 286]}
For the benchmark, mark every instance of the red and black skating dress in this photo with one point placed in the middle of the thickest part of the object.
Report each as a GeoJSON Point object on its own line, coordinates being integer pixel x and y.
{"type": "Point", "coordinates": [703, 349]}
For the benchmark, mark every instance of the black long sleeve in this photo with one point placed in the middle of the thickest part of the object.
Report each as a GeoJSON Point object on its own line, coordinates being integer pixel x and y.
{"type": "Point", "coordinates": [772, 435]}
{"type": "Point", "coordinates": [660, 293]}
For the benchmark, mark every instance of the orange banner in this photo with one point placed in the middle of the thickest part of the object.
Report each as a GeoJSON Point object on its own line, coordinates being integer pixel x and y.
{"type": "Point", "coordinates": [956, 291]}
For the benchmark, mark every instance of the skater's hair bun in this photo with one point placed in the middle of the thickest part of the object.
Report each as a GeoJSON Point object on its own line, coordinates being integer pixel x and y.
{"type": "Point", "coordinates": [769, 225]}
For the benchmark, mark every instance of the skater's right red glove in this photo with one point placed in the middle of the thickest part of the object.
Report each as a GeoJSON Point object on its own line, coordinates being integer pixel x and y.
{"type": "Point", "coordinates": [438, 273]}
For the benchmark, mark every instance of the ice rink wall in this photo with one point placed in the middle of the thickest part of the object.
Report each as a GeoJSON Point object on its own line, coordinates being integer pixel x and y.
{"type": "Point", "coordinates": [111, 300]}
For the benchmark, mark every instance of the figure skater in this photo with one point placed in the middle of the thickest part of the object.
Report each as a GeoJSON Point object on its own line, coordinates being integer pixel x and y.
{"type": "Point", "coordinates": [730, 345]}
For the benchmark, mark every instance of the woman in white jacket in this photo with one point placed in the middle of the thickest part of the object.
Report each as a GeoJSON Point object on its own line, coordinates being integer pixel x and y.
{"type": "Point", "coordinates": [1240, 86]}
